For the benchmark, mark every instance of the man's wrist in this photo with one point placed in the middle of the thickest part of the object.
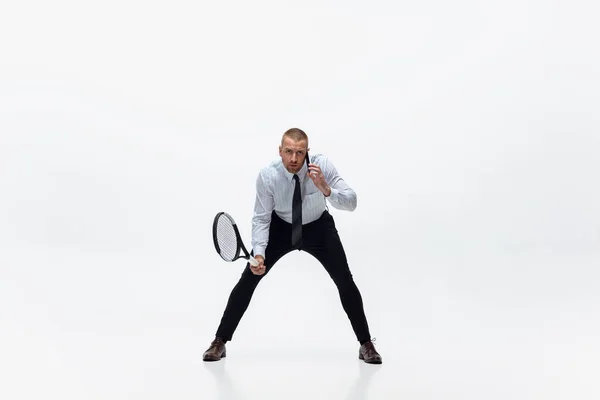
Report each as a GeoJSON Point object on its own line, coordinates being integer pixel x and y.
{"type": "Point", "coordinates": [259, 251]}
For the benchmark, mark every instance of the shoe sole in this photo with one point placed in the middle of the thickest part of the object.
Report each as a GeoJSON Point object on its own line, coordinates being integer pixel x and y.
{"type": "Point", "coordinates": [214, 359]}
{"type": "Point", "coordinates": [360, 357]}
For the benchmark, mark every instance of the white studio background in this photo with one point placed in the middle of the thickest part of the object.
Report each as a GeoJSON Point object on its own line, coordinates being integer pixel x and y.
{"type": "Point", "coordinates": [470, 131]}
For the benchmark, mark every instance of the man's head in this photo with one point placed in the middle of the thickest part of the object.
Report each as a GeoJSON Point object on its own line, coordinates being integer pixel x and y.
{"type": "Point", "coordinates": [293, 149]}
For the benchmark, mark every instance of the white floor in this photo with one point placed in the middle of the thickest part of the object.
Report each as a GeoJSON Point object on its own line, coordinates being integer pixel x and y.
{"type": "Point", "coordinates": [119, 326]}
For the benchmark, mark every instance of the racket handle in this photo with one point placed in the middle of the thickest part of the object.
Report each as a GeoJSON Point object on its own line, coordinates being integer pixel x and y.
{"type": "Point", "coordinates": [253, 261]}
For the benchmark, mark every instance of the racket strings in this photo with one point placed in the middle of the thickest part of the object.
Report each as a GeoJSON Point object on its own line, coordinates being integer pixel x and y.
{"type": "Point", "coordinates": [226, 238]}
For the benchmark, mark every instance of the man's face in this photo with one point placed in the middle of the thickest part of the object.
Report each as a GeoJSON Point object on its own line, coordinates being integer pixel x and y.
{"type": "Point", "coordinates": [293, 154]}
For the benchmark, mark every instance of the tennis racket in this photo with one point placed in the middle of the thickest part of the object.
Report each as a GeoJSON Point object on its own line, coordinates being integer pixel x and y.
{"type": "Point", "coordinates": [227, 239]}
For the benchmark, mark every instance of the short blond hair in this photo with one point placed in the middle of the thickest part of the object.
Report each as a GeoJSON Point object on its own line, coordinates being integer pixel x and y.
{"type": "Point", "coordinates": [296, 134]}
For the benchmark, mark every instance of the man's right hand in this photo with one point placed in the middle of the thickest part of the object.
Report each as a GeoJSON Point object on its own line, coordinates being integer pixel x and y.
{"type": "Point", "coordinates": [260, 268]}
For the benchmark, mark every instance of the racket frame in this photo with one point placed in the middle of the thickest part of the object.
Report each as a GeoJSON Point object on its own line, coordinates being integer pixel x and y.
{"type": "Point", "coordinates": [241, 251]}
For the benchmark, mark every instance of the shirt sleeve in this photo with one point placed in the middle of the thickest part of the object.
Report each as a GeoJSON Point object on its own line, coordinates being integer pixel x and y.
{"type": "Point", "coordinates": [342, 196]}
{"type": "Point", "coordinates": [261, 219]}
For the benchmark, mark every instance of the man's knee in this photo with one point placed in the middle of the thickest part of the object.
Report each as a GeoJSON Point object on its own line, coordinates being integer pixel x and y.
{"type": "Point", "coordinates": [343, 279]}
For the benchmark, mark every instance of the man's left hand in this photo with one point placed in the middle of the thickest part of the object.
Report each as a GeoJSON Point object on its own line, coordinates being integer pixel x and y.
{"type": "Point", "coordinates": [315, 173]}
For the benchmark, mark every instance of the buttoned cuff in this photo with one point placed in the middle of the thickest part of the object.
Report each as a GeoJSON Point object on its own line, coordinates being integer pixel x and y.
{"type": "Point", "coordinates": [334, 194]}
{"type": "Point", "coordinates": [259, 251]}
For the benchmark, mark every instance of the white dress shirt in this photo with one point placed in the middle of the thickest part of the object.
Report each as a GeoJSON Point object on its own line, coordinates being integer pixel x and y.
{"type": "Point", "coordinates": [274, 191]}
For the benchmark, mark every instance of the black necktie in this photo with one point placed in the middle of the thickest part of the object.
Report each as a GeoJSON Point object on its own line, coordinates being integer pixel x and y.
{"type": "Point", "coordinates": [297, 216]}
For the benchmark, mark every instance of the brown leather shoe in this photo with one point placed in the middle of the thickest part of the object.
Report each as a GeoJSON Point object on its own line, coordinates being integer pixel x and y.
{"type": "Point", "coordinates": [216, 350]}
{"type": "Point", "coordinates": [368, 354]}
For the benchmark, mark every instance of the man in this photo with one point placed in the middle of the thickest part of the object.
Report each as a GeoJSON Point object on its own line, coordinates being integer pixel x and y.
{"type": "Point", "coordinates": [290, 213]}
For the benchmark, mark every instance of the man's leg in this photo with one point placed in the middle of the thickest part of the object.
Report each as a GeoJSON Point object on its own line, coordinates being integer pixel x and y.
{"type": "Point", "coordinates": [323, 242]}
{"type": "Point", "coordinates": [241, 294]}
{"type": "Point", "coordinates": [238, 302]}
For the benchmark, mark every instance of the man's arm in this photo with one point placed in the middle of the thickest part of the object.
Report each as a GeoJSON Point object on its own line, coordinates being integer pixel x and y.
{"type": "Point", "coordinates": [261, 219]}
{"type": "Point", "coordinates": [335, 189]}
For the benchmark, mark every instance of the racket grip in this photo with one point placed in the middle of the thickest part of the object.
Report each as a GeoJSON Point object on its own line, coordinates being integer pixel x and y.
{"type": "Point", "coordinates": [253, 261]}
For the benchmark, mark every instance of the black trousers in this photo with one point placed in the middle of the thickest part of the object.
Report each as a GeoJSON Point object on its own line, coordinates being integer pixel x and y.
{"type": "Point", "coordinates": [321, 240]}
